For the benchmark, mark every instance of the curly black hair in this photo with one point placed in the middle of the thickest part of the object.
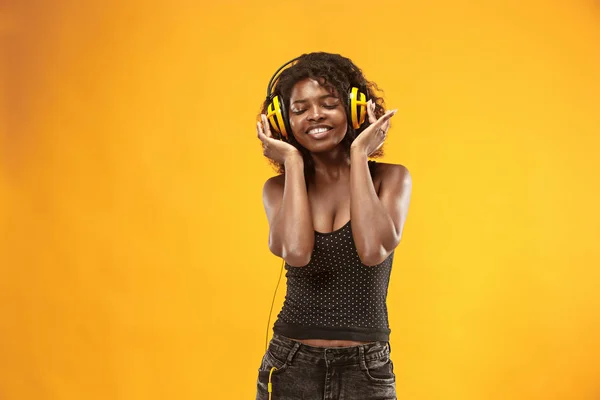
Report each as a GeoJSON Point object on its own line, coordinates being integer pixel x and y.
{"type": "Point", "coordinates": [331, 71]}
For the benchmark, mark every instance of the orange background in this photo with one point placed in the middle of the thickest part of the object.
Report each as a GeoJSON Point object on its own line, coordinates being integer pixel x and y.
{"type": "Point", "coordinates": [133, 251]}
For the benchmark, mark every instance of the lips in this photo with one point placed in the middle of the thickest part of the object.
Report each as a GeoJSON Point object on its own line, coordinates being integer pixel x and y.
{"type": "Point", "coordinates": [318, 129]}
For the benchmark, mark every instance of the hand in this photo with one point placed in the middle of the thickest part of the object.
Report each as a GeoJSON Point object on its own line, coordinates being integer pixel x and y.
{"type": "Point", "coordinates": [276, 150]}
{"type": "Point", "coordinates": [372, 138]}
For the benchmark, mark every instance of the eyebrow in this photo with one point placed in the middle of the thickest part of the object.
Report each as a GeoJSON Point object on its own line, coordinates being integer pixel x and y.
{"type": "Point", "coordinates": [320, 98]}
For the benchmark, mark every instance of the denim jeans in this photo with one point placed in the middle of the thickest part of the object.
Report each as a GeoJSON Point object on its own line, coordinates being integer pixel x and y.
{"type": "Point", "coordinates": [363, 372]}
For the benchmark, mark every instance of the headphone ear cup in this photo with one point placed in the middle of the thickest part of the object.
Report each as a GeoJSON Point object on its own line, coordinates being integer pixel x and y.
{"type": "Point", "coordinates": [277, 116]}
{"type": "Point", "coordinates": [357, 104]}
{"type": "Point", "coordinates": [286, 121]}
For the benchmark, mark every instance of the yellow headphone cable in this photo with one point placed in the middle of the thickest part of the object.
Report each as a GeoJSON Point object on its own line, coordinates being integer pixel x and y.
{"type": "Point", "coordinates": [270, 385]}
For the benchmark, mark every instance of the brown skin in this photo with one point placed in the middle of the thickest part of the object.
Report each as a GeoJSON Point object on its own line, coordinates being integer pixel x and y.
{"type": "Point", "coordinates": [341, 190]}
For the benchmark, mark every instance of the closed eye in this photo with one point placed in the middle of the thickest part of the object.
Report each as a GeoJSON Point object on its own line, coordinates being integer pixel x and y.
{"type": "Point", "coordinates": [327, 106]}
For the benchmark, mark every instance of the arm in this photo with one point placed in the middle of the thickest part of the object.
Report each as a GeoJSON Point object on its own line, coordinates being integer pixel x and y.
{"type": "Point", "coordinates": [377, 221]}
{"type": "Point", "coordinates": [291, 231]}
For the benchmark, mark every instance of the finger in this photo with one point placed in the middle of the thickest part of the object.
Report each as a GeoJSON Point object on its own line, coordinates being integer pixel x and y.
{"type": "Point", "coordinates": [385, 117]}
{"type": "Point", "coordinates": [259, 131]}
{"type": "Point", "coordinates": [261, 135]}
{"type": "Point", "coordinates": [386, 126]}
{"type": "Point", "coordinates": [267, 127]}
{"type": "Point", "coordinates": [371, 112]}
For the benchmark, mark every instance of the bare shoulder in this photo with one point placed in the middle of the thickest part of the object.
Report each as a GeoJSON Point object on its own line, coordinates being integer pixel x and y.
{"type": "Point", "coordinates": [274, 184]}
{"type": "Point", "coordinates": [392, 174]}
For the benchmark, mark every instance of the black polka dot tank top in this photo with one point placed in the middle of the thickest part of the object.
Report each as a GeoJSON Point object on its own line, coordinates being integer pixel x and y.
{"type": "Point", "coordinates": [336, 296]}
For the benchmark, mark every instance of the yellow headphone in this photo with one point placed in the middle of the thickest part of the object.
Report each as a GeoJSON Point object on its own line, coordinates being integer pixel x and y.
{"type": "Point", "coordinates": [278, 116]}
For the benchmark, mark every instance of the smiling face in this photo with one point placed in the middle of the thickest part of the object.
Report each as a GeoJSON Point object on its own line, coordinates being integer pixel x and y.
{"type": "Point", "coordinates": [317, 116]}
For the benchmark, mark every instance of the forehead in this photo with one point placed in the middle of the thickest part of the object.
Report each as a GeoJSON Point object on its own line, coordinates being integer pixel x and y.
{"type": "Point", "coordinates": [308, 88]}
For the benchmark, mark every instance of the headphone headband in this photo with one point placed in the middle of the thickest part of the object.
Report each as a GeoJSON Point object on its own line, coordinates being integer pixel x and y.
{"type": "Point", "coordinates": [275, 75]}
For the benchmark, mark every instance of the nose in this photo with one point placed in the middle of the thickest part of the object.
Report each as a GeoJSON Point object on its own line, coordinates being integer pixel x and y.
{"type": "Point", "coordinates": [315, 113]}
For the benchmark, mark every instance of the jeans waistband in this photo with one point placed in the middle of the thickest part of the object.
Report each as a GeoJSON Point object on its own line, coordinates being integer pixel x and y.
{"type": "Point", "coordinates": [287, 349]}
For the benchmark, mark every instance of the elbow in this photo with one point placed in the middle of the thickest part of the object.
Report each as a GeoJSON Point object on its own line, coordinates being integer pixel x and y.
{"type": "Point", "coordinates": [373, 253]}
{"type": "Point", "coordinates": [297, 257]}
{"type": "Point", "coordinates": [372, 259]}
{"type": "Point", "coordinates": [275, 247]}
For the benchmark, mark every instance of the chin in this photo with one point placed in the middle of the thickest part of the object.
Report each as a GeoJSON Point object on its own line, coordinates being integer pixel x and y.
{"type": "Point", "coordinates": [322, 146]}
{"type": "Point", "coordinates": [326, 147]}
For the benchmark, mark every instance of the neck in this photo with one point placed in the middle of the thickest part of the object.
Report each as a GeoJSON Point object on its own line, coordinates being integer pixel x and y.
{"type": "Point", "coordinates": [331, 166]}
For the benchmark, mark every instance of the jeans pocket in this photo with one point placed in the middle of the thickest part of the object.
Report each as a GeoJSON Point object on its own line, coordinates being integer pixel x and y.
{"type": "Point", "coordinates": [380, 371]}
{"type": "Point", "coordinates": [269, 361]}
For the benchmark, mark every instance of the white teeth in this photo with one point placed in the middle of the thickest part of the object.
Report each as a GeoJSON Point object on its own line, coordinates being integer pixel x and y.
{"type": "Point", "coordinates": [317, 130]}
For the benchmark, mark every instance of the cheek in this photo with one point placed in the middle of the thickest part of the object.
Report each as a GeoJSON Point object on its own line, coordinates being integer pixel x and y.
{"type": "Point", "coordinates": [296, 124]}
{"type": "Point", "coordinates": [341, 119]}
{"type": "Point", "coordinates": [340, 114]}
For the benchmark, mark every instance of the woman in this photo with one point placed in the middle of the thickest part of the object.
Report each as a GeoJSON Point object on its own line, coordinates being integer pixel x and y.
{"type": "Point", "coordinates": [335, 218]}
